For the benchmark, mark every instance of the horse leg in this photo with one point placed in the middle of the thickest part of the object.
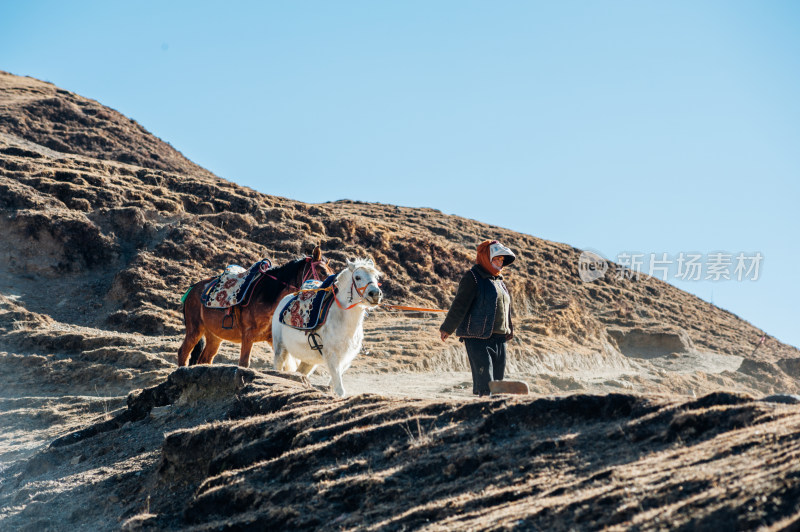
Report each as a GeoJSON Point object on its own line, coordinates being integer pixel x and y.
{"type": "Point", "coordinates": [346, 365]}
{"type": "Point", "coordinates": [210, 350]}
{"type": "Point", "coordinates": [193, 336]}
{"type": "Point", "coordinates": [280, 354]}
{"type": "Point", "coordinates": [332, 361]}
{"type": "Point", "coordinates": [290, 365]}
{"type": "Point", "coordinates": [244, 354]}
{"type": "Point", "coordinates": [198, 349]}
{"type": "Point", "coordinates": [306, 369]}
{"type": "Point", "coordinates": [279, 351]}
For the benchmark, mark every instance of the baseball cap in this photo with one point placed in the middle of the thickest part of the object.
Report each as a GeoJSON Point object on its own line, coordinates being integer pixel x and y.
{"type": "Point", "coordinates": [496, 249]}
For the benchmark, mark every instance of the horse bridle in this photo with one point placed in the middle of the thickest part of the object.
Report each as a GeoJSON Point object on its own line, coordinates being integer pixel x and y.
{"type": "Point", "coordinates": [359, 291]}
{"type": "Point", "coordinates": [309, 271]}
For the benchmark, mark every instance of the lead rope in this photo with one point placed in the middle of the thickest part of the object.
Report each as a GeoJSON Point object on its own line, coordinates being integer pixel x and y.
{"type": "Point", "coordinates": [410, 309]}
{"type": "Point", "coordinates": [332, 288]}
{"type": "Point", "coordinates": [315, 340]}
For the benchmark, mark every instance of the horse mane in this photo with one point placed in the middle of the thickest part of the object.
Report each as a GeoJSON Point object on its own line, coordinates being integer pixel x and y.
{"type": "Point", "coordinates": [367, 264]}
{"type": "Point", "coordinates": [285, 277]}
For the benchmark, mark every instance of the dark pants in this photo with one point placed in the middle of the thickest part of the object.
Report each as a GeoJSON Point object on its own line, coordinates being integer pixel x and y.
{"type": "Point", "coordinates": [487, 360]}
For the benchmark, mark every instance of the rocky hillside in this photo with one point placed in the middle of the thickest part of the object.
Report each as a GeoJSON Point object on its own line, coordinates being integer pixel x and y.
{"type": "Point", "coordinates": [279, 455]}
{"type": "Point", "coordinates": [103, 227]}
{"type": "Point", "coordinates": [119, 224]}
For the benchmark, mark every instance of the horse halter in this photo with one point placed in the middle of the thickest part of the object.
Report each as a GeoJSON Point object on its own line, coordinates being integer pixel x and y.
{"type": "Point", "coordinates": [359, 291]}
{"type": "Point", "coordinates": [311, 272]}
{"type": "Point", "coordinates": [308, 273]}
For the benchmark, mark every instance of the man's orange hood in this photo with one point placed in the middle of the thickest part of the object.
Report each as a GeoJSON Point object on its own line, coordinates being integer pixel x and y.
{"type": "Point", "coordinates": [489, 249]}
{"type": "Point", "coordinates": [483, 259]}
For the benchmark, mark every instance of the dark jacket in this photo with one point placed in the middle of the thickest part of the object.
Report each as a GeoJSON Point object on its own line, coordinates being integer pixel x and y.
{"type": "Point", "coordinates": [473, 313]}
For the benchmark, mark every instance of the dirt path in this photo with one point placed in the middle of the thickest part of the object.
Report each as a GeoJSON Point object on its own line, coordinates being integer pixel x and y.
{"type": "Point", "coordinates": [436, 385]}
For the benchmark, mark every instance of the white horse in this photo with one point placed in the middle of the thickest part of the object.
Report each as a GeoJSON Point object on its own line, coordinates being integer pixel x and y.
{"type": "Point", "coordinates": [342, 333]}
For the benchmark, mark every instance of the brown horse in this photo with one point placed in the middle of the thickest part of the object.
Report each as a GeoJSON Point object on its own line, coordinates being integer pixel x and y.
{"type": "Point", "coordinates": [252, 323]}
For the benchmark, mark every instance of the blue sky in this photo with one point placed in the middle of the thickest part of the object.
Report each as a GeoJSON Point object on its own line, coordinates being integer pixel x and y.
{"type": "Point", "coordinates": [636, 127]}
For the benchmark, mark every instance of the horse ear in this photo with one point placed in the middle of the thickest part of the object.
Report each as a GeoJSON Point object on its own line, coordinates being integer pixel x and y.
{"type": "Point", "coordinates": [316, 254]}
{"type": "Point", "coordinates": [351, 265]}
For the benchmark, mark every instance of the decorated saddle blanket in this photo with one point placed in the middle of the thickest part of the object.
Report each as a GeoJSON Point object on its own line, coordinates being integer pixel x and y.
{"type": "Point", "coordinates": [234, 286]}
{"type": "Point", "coordinates": [309, 310]}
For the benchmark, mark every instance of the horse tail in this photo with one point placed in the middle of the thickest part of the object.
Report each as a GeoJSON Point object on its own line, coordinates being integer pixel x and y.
{"type": "Point", "coordinates": [198, 348]}
{"type": "Point", "coordinates": [183, 303]}
{"type": "Point", "coordinates": [185, 295]}
{"type": "Point", "coordinates": [196, 352]}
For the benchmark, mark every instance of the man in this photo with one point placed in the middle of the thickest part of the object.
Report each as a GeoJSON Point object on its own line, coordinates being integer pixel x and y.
{"type": "Point", "coordinates": [480, 315]}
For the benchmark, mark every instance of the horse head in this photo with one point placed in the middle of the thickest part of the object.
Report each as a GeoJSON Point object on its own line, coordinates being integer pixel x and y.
{"type": "Point", "coordinates": [360, 280]}
{"type": "Point", "coordinates": [316, 267]}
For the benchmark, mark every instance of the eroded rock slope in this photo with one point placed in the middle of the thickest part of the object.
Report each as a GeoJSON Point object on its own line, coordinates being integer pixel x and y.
{"type": "Point", "coordinates": [104, 226]}
{"type": "Point", "coordinates": [648, 408]}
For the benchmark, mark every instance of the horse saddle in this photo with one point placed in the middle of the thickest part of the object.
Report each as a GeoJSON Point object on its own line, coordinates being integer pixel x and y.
{"type": "Point", "coordinates": [234, 285]}
{"type": "Point", "coordinates": [308, 311]}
